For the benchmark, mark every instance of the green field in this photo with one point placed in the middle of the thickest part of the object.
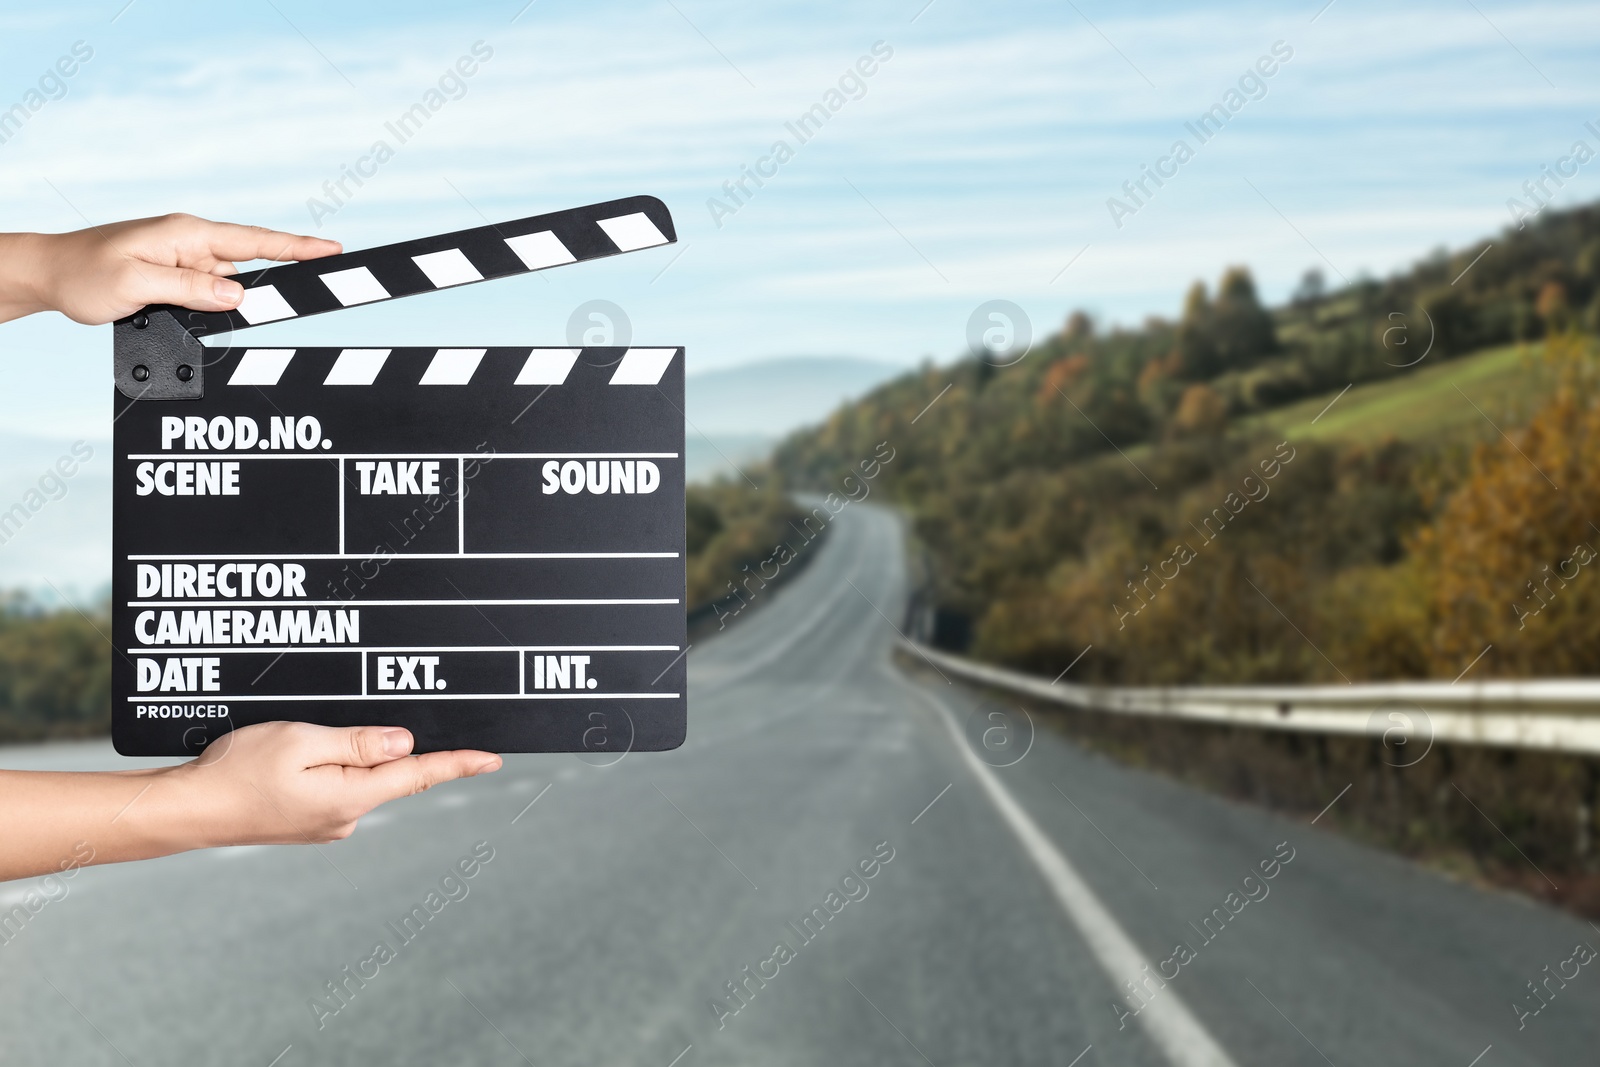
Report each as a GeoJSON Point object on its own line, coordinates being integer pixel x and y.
{"type": "Point", "coordinates": [1506, 383]}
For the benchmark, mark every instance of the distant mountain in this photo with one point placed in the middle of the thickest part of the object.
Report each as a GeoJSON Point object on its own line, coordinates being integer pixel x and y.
{"type": "Point", "coordinates": [705, 459]}
{"type": "Point", "coordinates": [737, 414]}
{"type": "Point", "coordinates": [775, 396]}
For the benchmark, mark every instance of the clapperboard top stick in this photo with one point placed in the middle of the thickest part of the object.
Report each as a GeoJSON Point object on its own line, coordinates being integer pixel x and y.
{"type": "Point", "coordinates": [483, 545]}
{"type": "Point", "coordinates": [158, 354]}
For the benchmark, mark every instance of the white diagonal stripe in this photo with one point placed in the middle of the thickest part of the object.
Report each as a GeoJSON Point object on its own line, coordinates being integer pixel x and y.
{"type": "Point", "coordinates": [264, 304]}
{"type": "Point", "coordinates": [547, 366]}
{"type": "Point", "coordinates": [1172, 1027]}
{"type": "Point", "coordinates": [450, 267]}
{"type": "Point", "coordinates": [357, 366]}
{"type": "Point", "coordinates": [354, 286]}
{"type": "Point", "coordinates": [452, 366]}
{"type": "Point", "coordinates": [538, 250]}
{"type": "Point", "coordinates": [643, 366]}
{"type": "Point", "coordinates": [261, 366]}
{"type": "Point", "coordinates": [629, 232]}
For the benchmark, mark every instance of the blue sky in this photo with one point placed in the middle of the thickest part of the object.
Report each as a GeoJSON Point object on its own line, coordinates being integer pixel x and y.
{"type": "Point", "coordinates": [976, 165]}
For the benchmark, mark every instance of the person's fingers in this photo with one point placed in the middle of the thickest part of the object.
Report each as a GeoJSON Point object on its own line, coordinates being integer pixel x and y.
{"type": "Point", "coordinates": [222, 268]}
{"type": "Point", "coordinates": [197, 289]}
{"type": "Point", "coordinates": [230, 241]}
{"type": "Point", "coordinates": [356, 746]}
{"type": "Point", "coordinates": [406, 777]}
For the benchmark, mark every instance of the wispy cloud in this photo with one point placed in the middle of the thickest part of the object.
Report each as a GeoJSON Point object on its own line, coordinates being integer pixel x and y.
{"type": "Point", "coordinates": [991, 139]}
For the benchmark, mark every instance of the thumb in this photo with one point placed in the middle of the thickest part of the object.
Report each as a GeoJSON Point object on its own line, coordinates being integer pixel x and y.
{"type": "Point", "coordinates": [407, 777]}
{"type": "Point", "coordinates": [188, 288]}
{"type": "Point", "coordinates": [355, 746]}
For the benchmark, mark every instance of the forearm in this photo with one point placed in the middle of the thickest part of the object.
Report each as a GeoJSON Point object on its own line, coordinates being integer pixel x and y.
{"type": "Point", "coordinates": [58, 820]}
{"type": "Point", "coordinates": [272, 783]}
{"type": "Point", "coordinates": [22, 275]}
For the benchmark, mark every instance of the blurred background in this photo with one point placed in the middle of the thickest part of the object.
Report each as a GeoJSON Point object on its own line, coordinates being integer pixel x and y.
{"type": "Point", "coordinates": [1127, 448]}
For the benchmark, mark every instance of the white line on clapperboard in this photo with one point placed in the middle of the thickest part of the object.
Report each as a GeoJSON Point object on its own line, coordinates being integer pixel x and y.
{"type": "Point", "coordinates": [397, 603]}
{"type": "Point", "coordinates": [149, 557]}
{"type": "Point", "coordinates": [260, 649]}
{"type": "Point", "coordinates": [212, 698]}
{"type": "Point", "coordinates": [482, 457]}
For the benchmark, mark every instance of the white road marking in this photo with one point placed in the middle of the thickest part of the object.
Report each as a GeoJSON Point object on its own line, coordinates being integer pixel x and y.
{"type": "Point", "coordinates": [1174, 1029]}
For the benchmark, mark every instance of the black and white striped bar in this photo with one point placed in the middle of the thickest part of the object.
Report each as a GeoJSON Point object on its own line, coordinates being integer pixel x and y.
{"type": "Point", "coordinates": [453, 366]}
{"type": "Point", "coordinates": [295, 290]}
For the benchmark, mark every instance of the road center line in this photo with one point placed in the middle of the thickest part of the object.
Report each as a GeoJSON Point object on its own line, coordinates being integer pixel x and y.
{"type": "Point", "coordinates": [1174, 1029]}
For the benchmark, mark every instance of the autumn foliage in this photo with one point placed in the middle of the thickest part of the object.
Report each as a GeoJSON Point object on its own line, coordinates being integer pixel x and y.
{"type": "Point", "coordinates": [1060, 499]}
{"type": "Point", "coordinates": [1512, 558]}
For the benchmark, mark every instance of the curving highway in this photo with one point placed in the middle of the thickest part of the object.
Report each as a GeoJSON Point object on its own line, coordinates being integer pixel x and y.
{"type": "Point", "coordinates": [846, 864]}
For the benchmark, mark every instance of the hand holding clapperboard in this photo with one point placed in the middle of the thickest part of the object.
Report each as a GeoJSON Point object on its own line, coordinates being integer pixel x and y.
{"type": "Point", "coordinates": [482, 545]}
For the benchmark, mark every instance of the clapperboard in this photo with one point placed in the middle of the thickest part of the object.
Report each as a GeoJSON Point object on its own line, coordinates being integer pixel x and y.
{"type": "Point", "coordinates": [483, 545]}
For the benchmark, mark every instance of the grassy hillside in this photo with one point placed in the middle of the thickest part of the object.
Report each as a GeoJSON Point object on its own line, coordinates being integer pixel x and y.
{"type": "Point", "coordinates": [1182, 498]}
{"type": "Point", "coordinates": [1507, 382]}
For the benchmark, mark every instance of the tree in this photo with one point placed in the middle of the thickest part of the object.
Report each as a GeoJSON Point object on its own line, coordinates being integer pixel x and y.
{"type": "Point", "coordinates": [55, 674]}
{"type": "Point", "coordinates": [1194, 355]}
{"type": "Point", "coordinates": [1232, 333]}
{"type": "Point", "coordinates": [1313, 286]}
{"type": "Point", "coordinates": [1201, 412]}
{"type": "Point", "coordinates": [1507, 554]}
{"type": "Point", "coordinates": [1552, 306]}
{"type": "Point", "coordinates": [1241, 329]}
{"type": "Point", "coordinates": [701, 521]}
{"type": "Point", "coordinates": [1079, 327]}
{"type": "Point", "coordinates": [1452, 319]}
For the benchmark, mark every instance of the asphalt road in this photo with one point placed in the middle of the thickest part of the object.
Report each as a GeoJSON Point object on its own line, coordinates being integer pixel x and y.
{"type": "Point", "coordinates": [624, 893]}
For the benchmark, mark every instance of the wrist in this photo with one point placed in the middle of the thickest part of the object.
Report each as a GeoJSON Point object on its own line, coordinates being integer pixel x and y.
{"type": "Point", "coordinates": [25, 274]}
{"type": "Point", "coordinates": [171, 815]}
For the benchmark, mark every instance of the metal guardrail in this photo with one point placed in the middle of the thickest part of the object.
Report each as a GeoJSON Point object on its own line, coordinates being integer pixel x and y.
{"type": "Point", "coordinates": [1560, 715]}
